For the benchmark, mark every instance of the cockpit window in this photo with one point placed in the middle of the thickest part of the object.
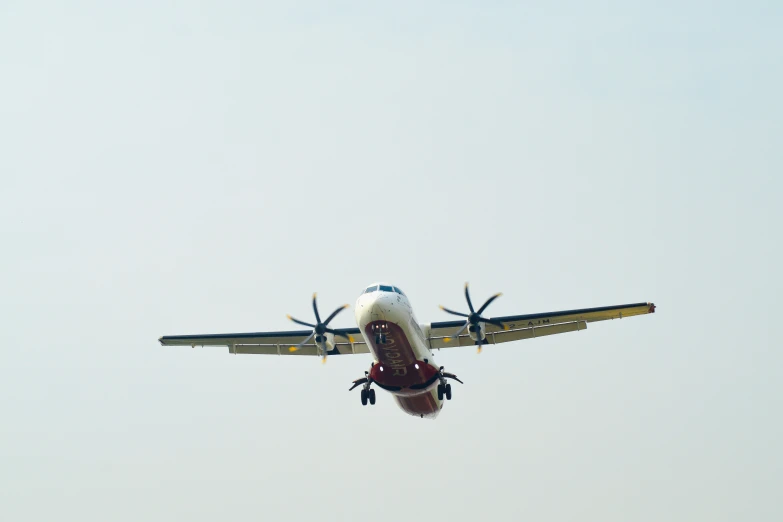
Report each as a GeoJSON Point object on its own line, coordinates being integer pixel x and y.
{"type": "Point", "coordinates": [399, 291]}
{"type": "Point", "coordinates": [371, 289]}
{"type": "Point", "coordinates": [385, 288]}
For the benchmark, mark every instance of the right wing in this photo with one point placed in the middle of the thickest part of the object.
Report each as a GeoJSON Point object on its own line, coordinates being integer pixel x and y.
{"type": "Point", "coordinates": [441, 334]}
{"type": "Point", "coordinates": [272, 343]}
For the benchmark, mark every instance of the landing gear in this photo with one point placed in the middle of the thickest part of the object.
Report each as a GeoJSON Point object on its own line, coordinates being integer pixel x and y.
{"type": "Point", "coordinates": [444, 388]}
{"type": "Point", "coordinates": [367, 393]}
{"type": "Point", "coordinates": [380, 331]}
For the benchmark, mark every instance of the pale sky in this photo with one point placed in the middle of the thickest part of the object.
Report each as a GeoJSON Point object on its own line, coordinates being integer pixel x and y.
{"type": "Point", "coordinates": [184, 168]}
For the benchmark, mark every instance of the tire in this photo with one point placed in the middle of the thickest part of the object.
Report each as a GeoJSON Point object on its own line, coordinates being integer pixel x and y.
{"type": "Point", "coordinates": [440, 392]}
{"type": "Point", "coordinates": [448, 392]}
{"type": "Point", "coordinates": [372, 396]}
{"type": "Point", "coordinates": [364, 397]}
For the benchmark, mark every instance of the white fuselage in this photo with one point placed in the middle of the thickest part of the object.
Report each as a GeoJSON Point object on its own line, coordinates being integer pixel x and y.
{"type": "Point", "coordinates": [404, 363]}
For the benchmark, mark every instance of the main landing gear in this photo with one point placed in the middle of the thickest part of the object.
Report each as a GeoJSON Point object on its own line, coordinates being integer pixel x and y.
{"type": "Point", "coordinates": [444, 388]}
{"type": "Point", "coordinates": [367, 393]}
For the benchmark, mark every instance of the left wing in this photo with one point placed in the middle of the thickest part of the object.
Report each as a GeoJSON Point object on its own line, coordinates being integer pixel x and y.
{"type": "Point", "coordinates": [533, 325]}
{"type": "Point", "coordinates": [272, 343]}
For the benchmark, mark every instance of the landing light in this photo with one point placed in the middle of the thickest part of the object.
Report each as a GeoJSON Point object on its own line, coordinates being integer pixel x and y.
{"type": "Point", "coordinates": [416, 365]}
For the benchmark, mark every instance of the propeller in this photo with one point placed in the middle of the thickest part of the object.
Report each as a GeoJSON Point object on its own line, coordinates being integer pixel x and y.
{"type": "Point", "coordinates": [474, 318]}
{"type": "Point", "coordinates": [319, 329]}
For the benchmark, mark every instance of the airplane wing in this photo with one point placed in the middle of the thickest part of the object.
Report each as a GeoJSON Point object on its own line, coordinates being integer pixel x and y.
{"type": "Point", "coordinates": [272, 343]}
{"type": "Point", "coordinates": [441, 334]}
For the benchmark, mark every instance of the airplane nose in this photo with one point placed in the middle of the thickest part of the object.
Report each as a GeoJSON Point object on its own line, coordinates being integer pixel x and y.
{"type": "Point", "coordinates": [381, 306]}
{"type": "Point", "coordinates": [376, 312]}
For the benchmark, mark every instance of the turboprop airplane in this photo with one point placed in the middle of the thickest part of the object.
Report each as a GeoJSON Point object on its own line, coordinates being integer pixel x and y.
{"type": "Point", "coordinates": [402, 348]}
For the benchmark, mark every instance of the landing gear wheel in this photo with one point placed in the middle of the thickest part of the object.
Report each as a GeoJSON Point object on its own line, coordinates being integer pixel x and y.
{"type": "Point", "coordinates": [448, 391]}
{"type": "Point", "coordinates": [371, 394]}
{"type": "Point", "coordinates": [364, 397]}
{"type": "Point", "coordinates": [440, 392]}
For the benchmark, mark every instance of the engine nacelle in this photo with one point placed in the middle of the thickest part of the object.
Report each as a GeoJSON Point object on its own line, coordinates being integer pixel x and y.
{"type": "Point", "coordinates": [326, 341]}
{"type": "Point", "coordinates": [477, 332]}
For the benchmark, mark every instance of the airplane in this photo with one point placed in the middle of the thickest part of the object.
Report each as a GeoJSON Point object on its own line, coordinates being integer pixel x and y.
{"type": "Point", "coordinates": [401, 347]}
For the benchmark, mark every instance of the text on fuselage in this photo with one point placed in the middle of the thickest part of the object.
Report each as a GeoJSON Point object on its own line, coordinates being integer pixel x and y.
{"type": "Point", "coordinates": [392, 356]}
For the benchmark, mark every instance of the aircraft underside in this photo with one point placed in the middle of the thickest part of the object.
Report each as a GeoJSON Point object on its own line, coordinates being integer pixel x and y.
{"type": "Point", "coordinates": [417, 385]}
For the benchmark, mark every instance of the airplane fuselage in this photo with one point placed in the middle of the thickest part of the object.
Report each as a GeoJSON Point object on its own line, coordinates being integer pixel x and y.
{"type": "Point", "coordinates": [404, 364]}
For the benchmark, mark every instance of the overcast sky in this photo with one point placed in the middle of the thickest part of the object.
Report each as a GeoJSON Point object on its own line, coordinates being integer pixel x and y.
{"type": "Point", "coordinates": [183, 168]}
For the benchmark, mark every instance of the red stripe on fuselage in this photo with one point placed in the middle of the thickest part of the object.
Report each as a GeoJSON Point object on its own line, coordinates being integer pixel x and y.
{"type": "Point", "coordinates": [422, 405]}
{"type": "Point", "coordinates": [397, 365]}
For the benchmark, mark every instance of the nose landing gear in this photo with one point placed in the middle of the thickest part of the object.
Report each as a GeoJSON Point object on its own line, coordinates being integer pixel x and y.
{"type": "Point", "coordinates": [380, 331]}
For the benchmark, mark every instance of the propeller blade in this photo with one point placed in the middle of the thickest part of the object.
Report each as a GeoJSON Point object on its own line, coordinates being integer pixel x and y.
{"type": "Point", "coordinates": [452, 312]}
{"type": "Point", "coordinates": [496, 323]}
{"type": "Point", "coordinates": [295, 348]}
{"type": "Point", "coordinates": [448, 339]}
{"type": "Point", "coordinates": [343, 307]}
{"type": "Point", "coordinates": [315, 309]}
{"type": "Point", "coordinates": [297, 321]}
{"type": "Point", "coordinates": [488, 302]}
{"type": "Point", "coordinates": [322, 348]}
{"type": "Point", "coordinates": [340, 334]}
{"type": "Point", "coordinates": [467, 296]}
